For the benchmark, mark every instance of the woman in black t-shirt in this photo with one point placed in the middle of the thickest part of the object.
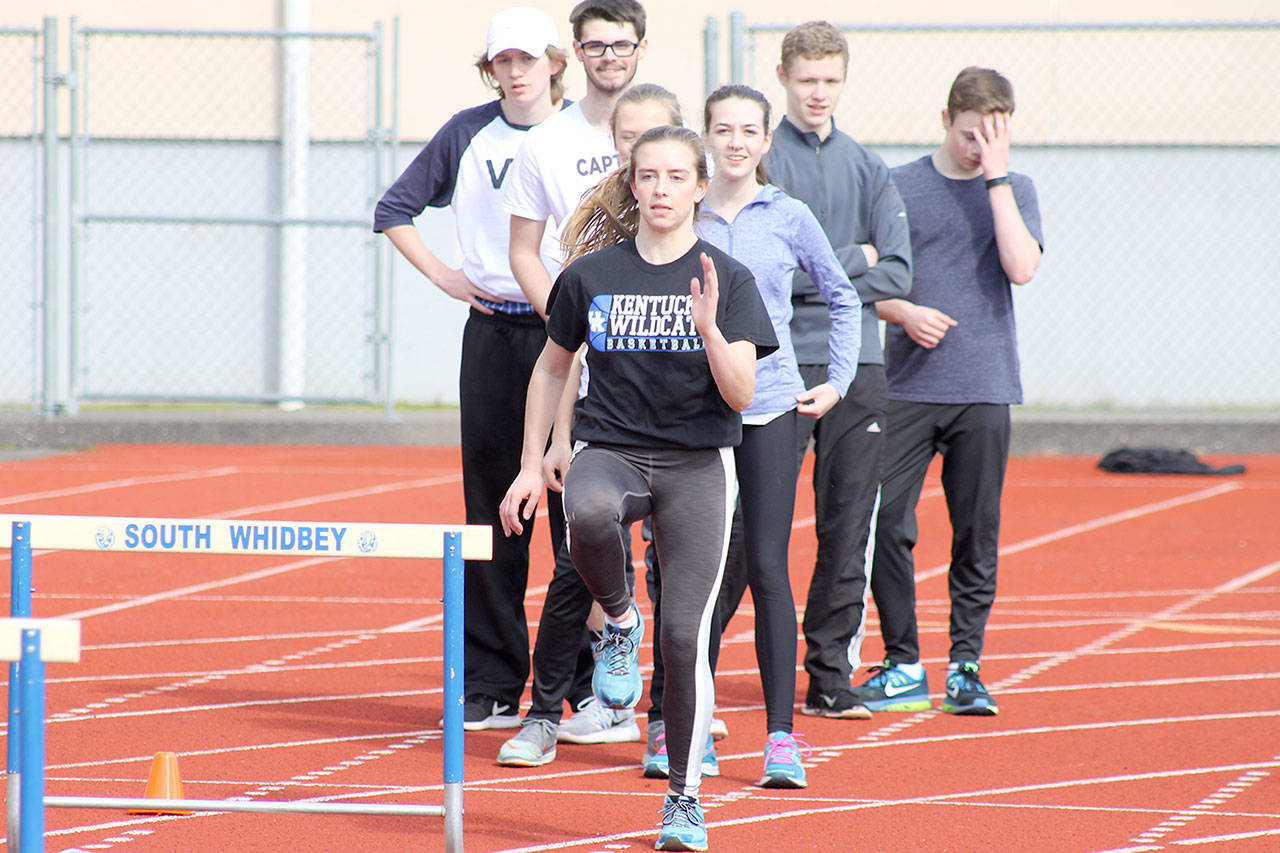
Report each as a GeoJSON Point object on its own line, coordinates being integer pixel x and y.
{"type": "Point", "coordinates": [673, 327]}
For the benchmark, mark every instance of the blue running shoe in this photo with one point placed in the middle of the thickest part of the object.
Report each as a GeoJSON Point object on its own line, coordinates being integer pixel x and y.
{"type": "Point", "coordinates": [655, 764]}
{"type": "Point", "coordinates": [782, 756]}
{"type": "Point", "coordinates": [616, 681]}
{"type": "Point", "coordinates": [682, 826]}
{"type": "Point", "coordinates": [891, 689]}
{"type": "Point", "coordinates": [966, 695]}
{"type": "Point", "coordinates": [710, 766]}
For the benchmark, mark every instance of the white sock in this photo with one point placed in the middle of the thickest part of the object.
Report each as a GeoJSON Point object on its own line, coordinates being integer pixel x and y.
{"type": "Point", "coordinates": [914, 671]}
{"type": "Point", "coordinates": [625, 622]}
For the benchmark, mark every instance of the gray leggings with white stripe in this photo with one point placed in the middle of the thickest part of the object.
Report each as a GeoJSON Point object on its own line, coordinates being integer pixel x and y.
{"type": "Point", "coordinates": [690, 495]}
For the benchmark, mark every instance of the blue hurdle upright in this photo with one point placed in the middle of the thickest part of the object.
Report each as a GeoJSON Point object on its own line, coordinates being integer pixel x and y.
{"type": "Point", "coordinates": [25, 753]}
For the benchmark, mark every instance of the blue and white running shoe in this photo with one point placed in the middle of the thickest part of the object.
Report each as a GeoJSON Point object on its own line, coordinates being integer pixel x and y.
{"type": "Point", "coordinates": [891, 689]}
{"type": "Point", "coordinates": [782, 756]}
{"type": "Point", "coordinates": [682, 825]}
{"type": "Point", "coordinates": [616, 681]}
{"type": "Point", "coordinates": [655, 764]}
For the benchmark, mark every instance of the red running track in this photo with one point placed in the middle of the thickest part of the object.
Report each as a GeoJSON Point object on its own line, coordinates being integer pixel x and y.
{"type": "Point", "coordinates": [1134, 649]}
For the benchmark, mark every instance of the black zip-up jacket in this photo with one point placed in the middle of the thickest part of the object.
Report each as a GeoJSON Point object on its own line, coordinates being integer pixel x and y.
{"type": "Point", "coordinates": [849, 190]}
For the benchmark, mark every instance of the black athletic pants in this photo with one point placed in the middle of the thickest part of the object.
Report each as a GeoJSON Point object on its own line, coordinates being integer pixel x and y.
{"type": "Point", "coordinates": [974, 442]}
{"type": "Point", "coordinates": [498, 354]}
{"type": "Point", "coordinates": [767, 493]}
{"type": "Point", "coordinates": [848, 447]}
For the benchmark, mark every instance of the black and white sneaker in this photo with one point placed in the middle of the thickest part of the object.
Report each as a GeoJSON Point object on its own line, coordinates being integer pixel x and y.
{"type": "Point", "coordinates": [966, 694]}
{"type": "Point", "coordinates": [840, 703]}
{"type": "Point", "coordinates": [484, 712]}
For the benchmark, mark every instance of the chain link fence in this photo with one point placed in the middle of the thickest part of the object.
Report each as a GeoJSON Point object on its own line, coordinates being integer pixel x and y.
{"type": "Point", "coordinates": [1158, 169]}
{"type": "Point", "coordinates": [20, 214]}
{"type": "Point", "coordinates": [221, 189]}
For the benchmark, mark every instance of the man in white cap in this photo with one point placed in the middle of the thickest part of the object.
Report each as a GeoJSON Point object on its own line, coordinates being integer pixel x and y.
{"type": "Point", "coordinates": [466, 165]}
{"type": "Point", "coordinates": [559, 161]}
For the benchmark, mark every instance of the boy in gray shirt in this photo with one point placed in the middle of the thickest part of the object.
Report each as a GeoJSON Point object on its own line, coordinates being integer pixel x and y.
{"type": "Point", "coordinates": [952, 367]}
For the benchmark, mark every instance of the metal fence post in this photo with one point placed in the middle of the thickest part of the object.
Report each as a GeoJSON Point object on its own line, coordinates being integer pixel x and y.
{"type": "Point", "coordinates": [710, 56]}
{"type": "Point", "coordinates": [49, 403]}
{"type": "Point", "coordinates": [75, 176]}
{"type": "Point", "coordinates": [737, 47]}
{"type": "Point", "coordinates": [380, 311]}
{"type": "Point", "coordinates": [389, 281]}
{"type": "Point", "coordinates": [295, 143]}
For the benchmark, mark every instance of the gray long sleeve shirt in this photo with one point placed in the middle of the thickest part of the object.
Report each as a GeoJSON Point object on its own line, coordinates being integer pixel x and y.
{"type": "Point", "coordinates": [849, 190]}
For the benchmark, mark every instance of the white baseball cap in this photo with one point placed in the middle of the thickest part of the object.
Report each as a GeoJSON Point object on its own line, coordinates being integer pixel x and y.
{"type": "Point", "coordinates": [522, 28]}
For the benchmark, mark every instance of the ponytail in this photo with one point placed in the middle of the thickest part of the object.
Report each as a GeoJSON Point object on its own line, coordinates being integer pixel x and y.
{"type": "Point", "coordinates": [610, 214]}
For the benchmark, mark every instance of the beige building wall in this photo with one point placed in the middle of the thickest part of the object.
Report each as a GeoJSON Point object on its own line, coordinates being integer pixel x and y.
{"type": "Point", "coordinates": [1125, 86]}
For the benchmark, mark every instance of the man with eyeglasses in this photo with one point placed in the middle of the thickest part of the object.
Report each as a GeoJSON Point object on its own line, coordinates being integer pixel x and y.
{"type": "Point", "coordinates": [573, 150]}
{"type": "Point", "coordinates": [559, 161]}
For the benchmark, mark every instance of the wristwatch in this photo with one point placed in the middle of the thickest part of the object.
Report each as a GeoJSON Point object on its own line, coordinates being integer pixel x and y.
{"type": "Point", "coordinates": [995, 182]}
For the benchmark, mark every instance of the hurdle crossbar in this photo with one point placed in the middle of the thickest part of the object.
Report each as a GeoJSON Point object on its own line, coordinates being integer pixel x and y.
{"type": "Point", "coordinates": [452, 543]}
{"type": "Point", "coordinates": [261, 538]}
{"type": "Point", "coordinates": [157, 804]}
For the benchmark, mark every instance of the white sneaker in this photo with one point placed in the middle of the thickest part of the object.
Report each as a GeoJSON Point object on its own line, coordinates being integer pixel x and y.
{"type": "Point", "coordinates": [595, 723]}
{"type": "Point", "coordinates": [719, 730]}
{"type": "Point", "coordinates": [534, 746]}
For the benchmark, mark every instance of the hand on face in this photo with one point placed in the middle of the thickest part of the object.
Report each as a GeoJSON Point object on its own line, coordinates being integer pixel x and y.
{"type": "Point", "coordinates": [992, 137]}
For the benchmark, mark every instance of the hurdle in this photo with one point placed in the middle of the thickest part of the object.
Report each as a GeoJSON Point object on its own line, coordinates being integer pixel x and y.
{"type": "Point", "coordinates": [23, 533]}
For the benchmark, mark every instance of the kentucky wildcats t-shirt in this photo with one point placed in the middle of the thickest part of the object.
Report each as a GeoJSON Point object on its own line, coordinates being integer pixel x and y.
{"type": "Point", "coordinates": [651, 383]}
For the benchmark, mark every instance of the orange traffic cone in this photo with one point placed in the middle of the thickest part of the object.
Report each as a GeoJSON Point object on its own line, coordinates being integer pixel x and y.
{"type": "Point", "coordinates": [164, 783]}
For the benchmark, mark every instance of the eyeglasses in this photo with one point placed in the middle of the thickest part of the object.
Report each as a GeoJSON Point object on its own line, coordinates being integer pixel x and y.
{"type": "Point", "coordinates": [620, 48]}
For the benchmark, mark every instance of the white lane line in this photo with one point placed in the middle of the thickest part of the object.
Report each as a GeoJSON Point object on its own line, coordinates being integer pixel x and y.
{"type": "Point", "coordinates": [261, 669]}
{"type": "Point", "coordinates": [1179, 819]}
{"type": "Point", "coordinates": [1221, 839]}
{"type": "Point", "coordinates": [930, 799]}
{"type": "Point", "coordinates": [965, 737]}
{"type": "Point", "coordinates": [250, 748]}
{"type": "Point", "coordinates": [124, 483]}
{"type": "Point", "coordinates": [1097, 523]}
{"type": "Point", "coordinates": [437, 618]}
{"type": "Point", "coordinates": [178, 592]}
{"type": "Point", "coordinates": [246, 638]}
{"type": "Point", "coordinates": [255, 703]}
{"type": "Point", "coordinates": [1138, 625]}
{"type": "Point", "coordinates": [416, 601]}
{"type": "Point", "coordinates": [333, 497]}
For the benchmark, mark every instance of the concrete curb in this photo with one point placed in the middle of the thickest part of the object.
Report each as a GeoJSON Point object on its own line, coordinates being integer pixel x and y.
{"type": "Point", "coordinates": [1034, 433]}
{"type": "Point", "coordinates": [251, 426]}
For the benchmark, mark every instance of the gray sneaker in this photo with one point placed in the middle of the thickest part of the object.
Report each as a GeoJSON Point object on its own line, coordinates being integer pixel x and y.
{"type": "Point", "coordinates": [595, 723]}
{"type": "Point", "coordinates": [533, 746]}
